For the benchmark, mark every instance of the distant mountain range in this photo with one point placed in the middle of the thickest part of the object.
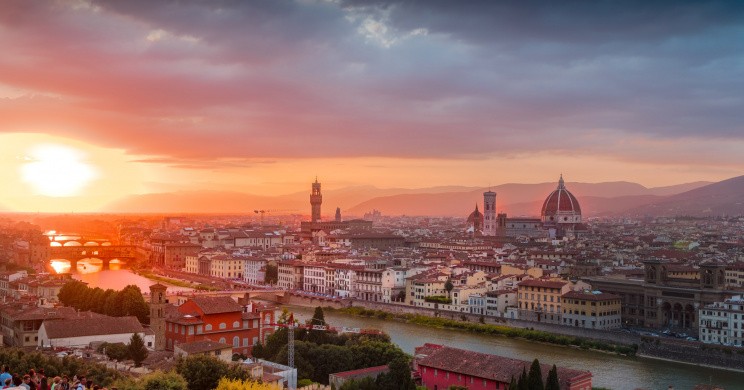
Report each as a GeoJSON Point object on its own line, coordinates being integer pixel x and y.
{"type": "Point", "coordinates": [723, 198]}
{"type": "Point", "coordinates": [597, 199]}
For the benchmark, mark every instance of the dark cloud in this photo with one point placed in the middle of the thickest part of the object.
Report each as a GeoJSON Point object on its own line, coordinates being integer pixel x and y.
{"type": "Point", "coordinates": [199, 81]}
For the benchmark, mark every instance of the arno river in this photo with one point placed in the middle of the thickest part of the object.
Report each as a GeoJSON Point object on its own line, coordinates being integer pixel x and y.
{"type": "Point", "coordinates": [611, 371]}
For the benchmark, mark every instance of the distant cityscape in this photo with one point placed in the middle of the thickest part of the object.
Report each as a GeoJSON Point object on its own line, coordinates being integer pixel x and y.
{"type": "Point", "coordinates": [656, 287]}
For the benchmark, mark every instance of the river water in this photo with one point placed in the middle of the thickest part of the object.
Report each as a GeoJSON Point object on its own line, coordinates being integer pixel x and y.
{"type": "Point", "coordinates": [610, 371]}
{"type": "Point", "coordinates": [116, 277]}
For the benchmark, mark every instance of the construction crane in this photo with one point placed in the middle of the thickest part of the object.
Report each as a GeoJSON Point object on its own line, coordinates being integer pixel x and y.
{"type": "Point", "coordinates": [262, 214]}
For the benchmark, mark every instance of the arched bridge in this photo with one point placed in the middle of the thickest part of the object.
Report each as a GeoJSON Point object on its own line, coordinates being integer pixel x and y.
{"type": "Point", "coordinates": [270, 295]}
{"type": "Point", "coordinates": [104, 253]}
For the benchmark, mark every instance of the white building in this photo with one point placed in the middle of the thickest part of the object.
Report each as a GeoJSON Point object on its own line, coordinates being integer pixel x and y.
{"type": "Point", "coordinates": [492, 303]}
{"type": "Point", "coordinates": [345, 278]}
{"type": "Point", "coordinates": [318, 278]}
{"type": "Point", "coordinates": [290, 275]}
{"type": "Point", "coordinates": [369, 285]}
{"type": "Point", "coordinates": [80, 332]}
{"type": "Point", "coordinates": [394, 282]}
{"type": "Point", "coordinates": [255, 270]}
{"type": "Point", "coordinates": [723, 322]}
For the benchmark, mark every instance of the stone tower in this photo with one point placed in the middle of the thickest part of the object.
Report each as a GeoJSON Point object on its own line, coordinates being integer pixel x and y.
{"type": "Point", "coordinates": [338, 214]}
{"type": "Point", "coordinates": [157, 314]}
{"type": "Point", "coordinates": [489, 213]}
{"type": "Point", "coordinates": [316, 199]}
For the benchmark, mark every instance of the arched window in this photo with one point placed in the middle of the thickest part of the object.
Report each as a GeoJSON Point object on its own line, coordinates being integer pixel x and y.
{"type": "Point", "coordinates": [222, 340]}
{"type": "Point", "coordinates": [236, 324]}
{"type": "Point", "coordinates": [236, 342]}
{"type": "Point", "coordinates": [223, 325]}
{"type": "Point", "coordinates": [208, 327]}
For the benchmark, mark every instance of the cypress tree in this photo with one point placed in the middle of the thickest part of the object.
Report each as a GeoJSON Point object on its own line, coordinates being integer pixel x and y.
{"type": "Point", "coordinates": [534, 378]}
{"type": "Point", "coordinates": [522, 383]}
{"type": "Point", "coordinates": [513, 384]}
{"type": "Point", "coordinates": [552, 383]}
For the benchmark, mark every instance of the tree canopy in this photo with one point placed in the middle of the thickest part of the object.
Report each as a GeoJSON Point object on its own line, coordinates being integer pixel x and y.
{"type": "Point", "coordinates": [127, 302]}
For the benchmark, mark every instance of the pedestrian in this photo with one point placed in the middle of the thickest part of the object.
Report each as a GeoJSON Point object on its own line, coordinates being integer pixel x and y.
{"type": "Point", "coordinates": [26, 382]}
{"type": "Point", "coordinates": [55, 383]}
{"type": "Point", "coordinates": [42, 380]}
{"type": "Point", "coordinates": [5, 375]}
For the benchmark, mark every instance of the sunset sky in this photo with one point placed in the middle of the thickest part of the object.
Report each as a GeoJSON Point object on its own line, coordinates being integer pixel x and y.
{"type": "Point", "coordinates": [104, 99]}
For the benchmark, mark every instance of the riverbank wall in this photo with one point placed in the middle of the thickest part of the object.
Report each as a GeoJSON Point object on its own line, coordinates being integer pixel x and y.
{"type": "Point", "coordinates": [589, 334]}
{"type": "Point", "coordinates": [692, 352]}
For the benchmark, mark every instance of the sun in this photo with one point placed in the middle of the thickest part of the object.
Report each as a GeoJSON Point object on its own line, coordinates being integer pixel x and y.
{"type": "Point", "coordinates": [57, 171]}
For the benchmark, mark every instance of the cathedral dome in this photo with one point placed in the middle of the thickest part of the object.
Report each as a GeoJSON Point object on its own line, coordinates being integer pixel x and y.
{"type": "Point", "coordinates": [561, 206]}
{"type": "Point", "coordinates": [475, 219]}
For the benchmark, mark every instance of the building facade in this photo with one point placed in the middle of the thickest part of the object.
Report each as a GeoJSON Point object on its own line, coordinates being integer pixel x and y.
{"type": "Point", "coordinates": [723, 322]}
{"type": "Point", "coordinates": [540, 300]}
{"type": "Point", "coordinates": [591, 310]}
{"type": "Point", "coordinates": [441, 367]}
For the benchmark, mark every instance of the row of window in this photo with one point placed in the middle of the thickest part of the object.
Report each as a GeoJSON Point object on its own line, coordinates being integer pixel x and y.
{"type": "Point", "coordinates": [183, 329]}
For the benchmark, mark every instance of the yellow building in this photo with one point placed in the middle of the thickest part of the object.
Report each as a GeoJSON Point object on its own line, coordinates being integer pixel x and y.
{"type": "Point", "coordinates": [591, 310]}
{"type": "Point", "coordinates": [540, 300]}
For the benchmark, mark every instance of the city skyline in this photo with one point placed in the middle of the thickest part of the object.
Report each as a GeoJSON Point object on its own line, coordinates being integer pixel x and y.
{"type": "Point", "coordinates": [100, 100]}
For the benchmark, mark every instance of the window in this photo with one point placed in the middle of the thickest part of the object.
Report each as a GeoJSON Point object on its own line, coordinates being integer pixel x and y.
{"type": "Point", "coordinates": [236, 342]}
{"type": "Point", "coordinates": [223, 325]}
{"type": "Point", "coordinates": [208, 327]}
{"type": "Point", "coordinates": [199, 329]}
{"type": "Point", "coordinates": [222, 340]}
{"type": "Point", "coordinates": [246, 342]}
{"type": "Point", "coordinates": [236, 324]}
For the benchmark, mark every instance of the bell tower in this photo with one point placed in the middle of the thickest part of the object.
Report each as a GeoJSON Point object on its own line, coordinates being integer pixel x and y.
{"type": "Point", "coordinates": [157, 314]}
{"type": "Point", "coordinates": [316, 199]}
{"type": "Point", "coordinates": [489, 213]}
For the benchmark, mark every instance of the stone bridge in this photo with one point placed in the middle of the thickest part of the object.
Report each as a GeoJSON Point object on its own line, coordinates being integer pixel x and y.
{"type": "Point", "coordinates": [105, 253]}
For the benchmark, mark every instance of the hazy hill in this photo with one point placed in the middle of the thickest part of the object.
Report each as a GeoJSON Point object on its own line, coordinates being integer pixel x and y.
{"type": "Point", "coordinates": [723, 198]}
{"type": "Point", "coordinates": [520, 199]}
{"type": "Point", "coordinates": [513, 198]}
{"type": "Point", "coordinates": [232, 202]}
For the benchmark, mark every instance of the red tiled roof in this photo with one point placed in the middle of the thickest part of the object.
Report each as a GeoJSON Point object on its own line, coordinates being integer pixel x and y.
{"type": "Point", "coordinates": [487, 366]}
{"type": "Point", "coordinates": [542, 283]}
{"type": "Point", "coordinates": [214, 305]}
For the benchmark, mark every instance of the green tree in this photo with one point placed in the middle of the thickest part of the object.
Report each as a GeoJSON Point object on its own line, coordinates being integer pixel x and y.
{"type": "Point", "coordinates": [159, 380]}
{"type": "Point", "coordinates": [318, 317]}
{"type": "Point", "coordinates": [449, 287]}
{"type": "Point", "coordinates": [534, 378]}
{"type": "Point", "coordinates": [137, 350]}
{"type": "Point", "coordinates": [202, 372]}
{"type": "Point", "coordinates": [522, 384]}
{"type": "Point", "coordinates": [399, 376]}
{"type": "Point", "coordinates": [133, 304]}
{"type": "Point", "coordinates": [258, 351]}
{"type": "Point", "coordinates": [552, 382]}
{"type": "Point", "coordinates": [317, 336]}
{"type": "Point", "coordinates": [115, 351]}
{"type": "Point", "coordinates": [272, 274]}
{"type": "Point", "coordinates": [513, 384]}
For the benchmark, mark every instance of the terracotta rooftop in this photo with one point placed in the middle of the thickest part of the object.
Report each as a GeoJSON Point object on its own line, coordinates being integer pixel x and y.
{"type": "Point", "coordinates": [542, 283]}
{"type": "Point", "coordinates": [101, 326]}
{"type": "Point", "coordinates": [215, 305]}
{"type": "Point", "coordinates": [202, 346]}
{"type": "Point", "coordinates": [481, 365]}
